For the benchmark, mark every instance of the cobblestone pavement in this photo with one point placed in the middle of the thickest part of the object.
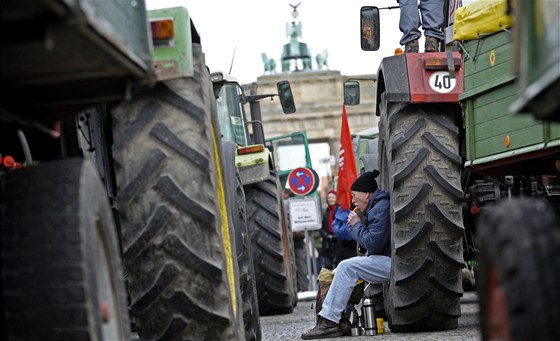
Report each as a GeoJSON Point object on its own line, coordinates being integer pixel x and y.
{"type": "Point", "coordinates": [291, 326]}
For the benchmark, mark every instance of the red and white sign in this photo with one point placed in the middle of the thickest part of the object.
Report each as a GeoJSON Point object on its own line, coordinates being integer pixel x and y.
{"type": "Point", "coordinates": [302, 180]}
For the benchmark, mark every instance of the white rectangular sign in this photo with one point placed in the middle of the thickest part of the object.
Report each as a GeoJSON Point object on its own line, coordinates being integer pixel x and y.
{"type": "Point", "coordinates": [304, 213]}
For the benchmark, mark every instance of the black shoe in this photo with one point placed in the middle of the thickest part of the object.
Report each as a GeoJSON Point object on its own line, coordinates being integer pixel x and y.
{"type": "Point", "coordinates": [411, 47]}
{"type": "Point", "coordinates": [345, 328]}
{"type": "Point", "coordinates": [431, 44]}
{"type": "Point", "coordinates": [324, 329]}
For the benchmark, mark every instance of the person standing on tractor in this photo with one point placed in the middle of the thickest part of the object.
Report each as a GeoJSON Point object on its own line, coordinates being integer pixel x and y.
{"type": "Point", "coordinates": [374, 233]}
{"type": "Point", "coordinates": [432, 23]}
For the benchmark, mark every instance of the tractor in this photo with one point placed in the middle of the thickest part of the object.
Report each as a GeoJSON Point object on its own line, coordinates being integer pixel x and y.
{"type": "Point", "coordinates": [461, 162]}
{"type": "Point", "coordinates": [117, 217]}
{"type": "Point", "coordinates": [260, 192]}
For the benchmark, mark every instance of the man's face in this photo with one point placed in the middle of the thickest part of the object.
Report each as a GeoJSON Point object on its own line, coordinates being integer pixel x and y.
{"type": "Point", "coordinates": [360, 199]}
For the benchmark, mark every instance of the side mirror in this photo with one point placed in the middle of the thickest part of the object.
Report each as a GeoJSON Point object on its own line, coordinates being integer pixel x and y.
{"type": "Point", "coordinates": [286, 97]}
{"type": "Point", "coordinates": [369, 28]}
{"type": "Point", "coordinates": [351, 93]}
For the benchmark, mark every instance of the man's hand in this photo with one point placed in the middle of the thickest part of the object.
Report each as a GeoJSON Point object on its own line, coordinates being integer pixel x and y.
{"type": "Point", "coordinates": [353, 217]}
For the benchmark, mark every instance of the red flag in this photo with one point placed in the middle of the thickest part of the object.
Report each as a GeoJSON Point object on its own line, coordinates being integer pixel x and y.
{"type": "Point", "coordinates": [347, 171]}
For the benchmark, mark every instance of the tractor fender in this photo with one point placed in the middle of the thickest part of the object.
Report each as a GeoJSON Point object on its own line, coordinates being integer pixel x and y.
{"type": "Point", "coordinates": [418, 78]}
{"type": "Point", "coordinates": [392, 78]}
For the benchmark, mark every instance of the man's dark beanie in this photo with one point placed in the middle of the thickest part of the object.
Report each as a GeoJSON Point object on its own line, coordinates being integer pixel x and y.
{"type": "Point", "coordinates": [366, 182]}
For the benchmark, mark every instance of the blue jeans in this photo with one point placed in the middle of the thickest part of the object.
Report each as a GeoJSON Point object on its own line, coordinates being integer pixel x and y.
{"type": "Point", "coordinates": [432, 19]}
{"type": "Point", "coordinates": [373, 269]}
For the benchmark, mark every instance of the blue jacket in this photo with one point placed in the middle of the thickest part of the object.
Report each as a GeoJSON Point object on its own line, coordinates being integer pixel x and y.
{"type": "Point", "coordinates": [374, 233]}
{"type": "Point", "coordinates": [340, 224]}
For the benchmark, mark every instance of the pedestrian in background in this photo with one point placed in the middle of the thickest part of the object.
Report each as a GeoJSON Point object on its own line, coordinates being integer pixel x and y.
{"type": "Point", "coordinates": [328, 240]}
{"type": "Point", "coordinates": [337, 244]}
{"type": "Point", "coordinates": [345, 246]}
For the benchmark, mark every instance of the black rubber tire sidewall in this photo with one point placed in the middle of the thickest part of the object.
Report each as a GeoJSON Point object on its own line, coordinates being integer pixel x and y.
{"type": "Point", "coordinates": [237, 205]}
{"type": "Point", "coordinates": [56, 219]}
{"type": "Point", "coordinates": [421, 170]}
{"type": "Point", "coordinates": [521, 239]}
{"type": "Point", "coordinates": [178, 248]}
{"type": "Point", "coordinates": [272, 247]}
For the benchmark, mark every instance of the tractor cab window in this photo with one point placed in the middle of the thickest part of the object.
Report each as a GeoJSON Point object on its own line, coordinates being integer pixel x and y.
{"type": "Point", "coordinates": [230, 113]}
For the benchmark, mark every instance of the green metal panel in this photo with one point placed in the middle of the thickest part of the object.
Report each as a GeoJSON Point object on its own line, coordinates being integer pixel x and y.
{"type": "Point", "coordinates": [122, 22]}
{"type": "Point", "coordinates": [541, 48]}
{"type": "Point", "coordinates": [72, 53]}
{"type": "Point", "coordinates": [554, 131]}
{"type": "Point", "coordinates": [173, 59]}
{"type": "Point", "coordinates": [538, 51]}
{"type": "Point", "coordinates": [519, 138]}
{"type": "Point", "coordinates": [489, 90]}
{"type": "Point", "coordinates": [492, 104]}
{"type": "Point", "coordinates": [486, 63]}
{"type": "Point", "coordinates": [469, 129]}
{"type": "Point", "coordinates": [506, 125]}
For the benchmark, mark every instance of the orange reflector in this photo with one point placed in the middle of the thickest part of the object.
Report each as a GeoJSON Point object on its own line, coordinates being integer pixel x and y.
{"type": "Point", "coordinates": [440, 63]}
{"type": "Point", "coordinates": [475, 209]}
{"type": "Point", "coordinates": [9, 163]}
{"type": "Point", "coordinates": [398, 51]}
{"type": "Point", "coordinates": [251, 149]}
{"type": "Point", "coordinates": [162, 29]}
{"type": "Point", "coordinates": [506, 141]}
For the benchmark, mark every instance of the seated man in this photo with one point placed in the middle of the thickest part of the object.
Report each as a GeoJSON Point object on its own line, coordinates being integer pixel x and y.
{"type": "Point", "coordinates": [373, 234]}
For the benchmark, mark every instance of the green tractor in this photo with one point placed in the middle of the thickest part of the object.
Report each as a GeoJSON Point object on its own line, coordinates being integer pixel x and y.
{"type": "Point", "coordinates": [365, 145]}
{"type": "Point", "coordinates": [187, 272]}
{"type": "Point", "coordinates": [118, 158]}
{"type": "Point", "coordinates": [269, 234]}
{"type": "Point", "coordinates": [511, 174]}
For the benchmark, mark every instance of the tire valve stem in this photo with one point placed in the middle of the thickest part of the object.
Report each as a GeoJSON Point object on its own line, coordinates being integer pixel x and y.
{"type": "Point", "coordinates": [104, 307]}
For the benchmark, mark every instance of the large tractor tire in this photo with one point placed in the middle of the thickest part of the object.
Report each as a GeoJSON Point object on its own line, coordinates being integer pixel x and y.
{"type": "Point", "coordinates": [61, 271]}
{"type": "Point", "coordinates": [420, 167]}
{"type": "Point", "coordinates": [520, 271]}
{"type": "Point", "coordinates": [178, 252]}
{"type": "Point", "coordinates": [273, 248]}
{"type": "Point", "coordinates": [247, 279]}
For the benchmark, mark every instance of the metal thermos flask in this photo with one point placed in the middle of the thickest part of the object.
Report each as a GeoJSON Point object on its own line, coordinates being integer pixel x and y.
{"type": "Point", "coordinates": [368, 316]}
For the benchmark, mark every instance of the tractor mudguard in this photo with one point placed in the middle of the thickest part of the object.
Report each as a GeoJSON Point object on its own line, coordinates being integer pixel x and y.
{"type": "Point", "coordinates": [392, 80]}
{"type": "Point", "coordinates": [419, 78]}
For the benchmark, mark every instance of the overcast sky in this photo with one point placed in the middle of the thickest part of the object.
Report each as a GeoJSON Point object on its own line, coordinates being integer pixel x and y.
{"type": "Point", "coordinates": [251, 27]}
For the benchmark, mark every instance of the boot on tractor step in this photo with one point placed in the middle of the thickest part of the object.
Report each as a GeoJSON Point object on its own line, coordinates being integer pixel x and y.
{"type": "Point", "coordinates": [431, 44]}
{"type": "Point", "coordinates": [411, 47]}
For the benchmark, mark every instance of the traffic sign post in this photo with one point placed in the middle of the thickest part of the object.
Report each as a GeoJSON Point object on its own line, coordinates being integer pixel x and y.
{"type": "Point", "coordinates": [305, 215]}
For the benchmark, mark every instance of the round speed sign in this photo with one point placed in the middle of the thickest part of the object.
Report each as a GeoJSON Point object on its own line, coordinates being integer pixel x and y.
{"type": "Point", "coordinates": [441, 82]}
